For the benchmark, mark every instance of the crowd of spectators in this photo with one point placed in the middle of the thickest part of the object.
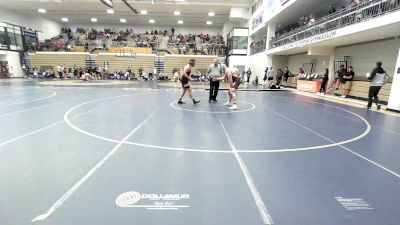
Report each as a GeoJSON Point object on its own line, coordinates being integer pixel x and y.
{"type": "Point", "coordinates": [94, 39]}
{"type": "Point", "coordinates": [345, 15]}
{"type": "Point", "coordinates": [258, 45]}
{"type": "Point", "coordinates": [199, 43]}
{"type": "Point", "coordinates": [94, 72]}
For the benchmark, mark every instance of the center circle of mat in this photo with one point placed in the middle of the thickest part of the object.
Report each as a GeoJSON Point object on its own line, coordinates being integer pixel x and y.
{"type": "Point", "coordinates": [243, 107]}
{"type": "Point", "coordinates": [225, 151]}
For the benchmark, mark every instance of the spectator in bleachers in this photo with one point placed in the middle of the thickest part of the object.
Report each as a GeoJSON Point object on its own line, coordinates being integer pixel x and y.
{"type": "Point", "coordinates": [332, 10]}
{"type": "Point", "coordinates": [338, 78]}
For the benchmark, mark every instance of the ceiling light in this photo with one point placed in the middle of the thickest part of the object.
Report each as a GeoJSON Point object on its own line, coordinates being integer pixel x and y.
{"type": "Point", "coordinates": [122, 20]}
{"type": "Point", "coordinates": [177, 13]}
{"type": "Point", "coordinates": [41, 10]}
{"type": "Point", "coordinates": [211, 14]}
{"type": "Point", "coordinates": [108, 3]}
{"type": "Point", "coordinates": [64, 19]}
{"type": "Point", "coordinates": [180, 21]}
{"type": "Point", "coordinates": [110, 11]}
{"type": "Point", "coordinates": [94, 20]}
{"type": "Point", "coordinates": [143, 12]}
{"type": "Point", "coordinates": [152, 21]}
{"type": "Point", "coordinates": [209, 22]}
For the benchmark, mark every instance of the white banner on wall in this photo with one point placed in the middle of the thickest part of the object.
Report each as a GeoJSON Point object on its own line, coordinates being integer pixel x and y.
{"type": "Point", "coordinates": [311, 40]}
{"type": "Point", "coordinates": [394, 98]}
{"type": "Point", "coordinates": [257, 21]}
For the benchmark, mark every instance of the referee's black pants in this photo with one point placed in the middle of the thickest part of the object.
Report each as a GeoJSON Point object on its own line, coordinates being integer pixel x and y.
{"type": "Point", "coordinates": [214, 87]}
{"type": "Point", "coordinates": [373, 94]}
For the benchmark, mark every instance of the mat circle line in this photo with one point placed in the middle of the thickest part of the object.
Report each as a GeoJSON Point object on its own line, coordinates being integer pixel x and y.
{"type": "Point", "coordinates": [53, 93]}
{"type": "Point", "coordinates": [173, 105]}
{"type": "Point", "coordinates": [76, 128]}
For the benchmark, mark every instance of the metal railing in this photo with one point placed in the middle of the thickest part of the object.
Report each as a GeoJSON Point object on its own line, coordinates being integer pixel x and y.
{"type": "Point", "coordinates": [345, 17]}
{"type": "Point", "coordinates": [258, 46]}
{"type": "Point", "coordinates": [61, 44]}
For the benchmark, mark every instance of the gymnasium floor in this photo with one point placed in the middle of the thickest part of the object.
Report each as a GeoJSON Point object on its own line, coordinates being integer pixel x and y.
{"type": "Point", "coordinates": [129, 155]}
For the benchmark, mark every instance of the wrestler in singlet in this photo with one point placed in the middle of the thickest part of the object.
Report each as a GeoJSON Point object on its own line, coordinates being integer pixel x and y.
{"type": "Point", "coordinates": [185, 80]}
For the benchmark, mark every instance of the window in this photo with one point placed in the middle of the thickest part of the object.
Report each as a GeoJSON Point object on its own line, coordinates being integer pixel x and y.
{"type": "Point", "coordinates": [3, 38]}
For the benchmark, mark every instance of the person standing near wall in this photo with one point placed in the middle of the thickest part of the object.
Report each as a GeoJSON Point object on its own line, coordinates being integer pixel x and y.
{"type": "Point", "coordinates": [279, 75]}
{"type": "Point", "coordinates": [285, 76]}
{"type": "Point", "coordinates": [270, 76]}
{"type": "Point", "coordinates": [248, 75]}
{"type": "Point", "coordinates": [324, 82]}
{"type": "Point", "coordinates": [378, 78]}
{"type": "Point", "coordinates": [214, 72]}
{"type": "Point", "coordinates": [244, 76]}
{"type": "Point", "coordinates": [341, 74]}
{"type": "Point", "coordinates": [265, 76]}
{"type": "Point", "coordinates": [348, 81]}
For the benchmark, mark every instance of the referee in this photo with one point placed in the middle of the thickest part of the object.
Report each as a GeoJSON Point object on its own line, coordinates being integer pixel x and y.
{"type": "Point", "coordinates": [215, 71]}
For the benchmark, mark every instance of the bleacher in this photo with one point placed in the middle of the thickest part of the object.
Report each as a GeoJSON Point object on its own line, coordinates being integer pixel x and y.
{"type": "Point", "coordinates": [130, 49]}
{"type": "Point", "coordinates": [118, 62]}
{"type": "Point", "coordinates": [179, 61]}
{"type": "Point", "coordinates": [52, 59]}
{"type": "Point", "coordinates": [359, 89]}
{"type": "Point", "coordinates": [123, 63]}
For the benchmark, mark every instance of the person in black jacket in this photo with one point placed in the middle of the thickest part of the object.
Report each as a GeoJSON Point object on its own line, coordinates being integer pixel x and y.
{"type": "Point", "coordinates": [285, 76]}
{"type": "Point", "coordinates": [378, 78]}
{"type": "Point", "coordinates": [265, 75]}
{"type": "Point", "coordinates": [341, 74]}
{"type": "Point", "coordinates": [248, 75]}
{"type": "Point", "coordinates": [324, 80]}
{"type": "Point", "coordinates": [348, 81]}
{"type": "Point", "coordinates": [339, 77]}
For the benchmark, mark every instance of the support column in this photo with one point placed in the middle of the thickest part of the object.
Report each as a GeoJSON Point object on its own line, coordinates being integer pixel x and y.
{"type": "Point", "coordinates": [329, 51]}
{"type": "Point", "coordinates": [270, 35]}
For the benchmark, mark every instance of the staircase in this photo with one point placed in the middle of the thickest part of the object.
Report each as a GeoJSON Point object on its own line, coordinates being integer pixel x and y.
{"type": "Point", "coordinates": [90, 61]}
{"type": "Point", "coordinates": [159, 63]}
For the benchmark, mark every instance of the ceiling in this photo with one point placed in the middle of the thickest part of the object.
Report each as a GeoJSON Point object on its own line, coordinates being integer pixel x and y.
{"type": "Point", "coordinates": [193, 12]}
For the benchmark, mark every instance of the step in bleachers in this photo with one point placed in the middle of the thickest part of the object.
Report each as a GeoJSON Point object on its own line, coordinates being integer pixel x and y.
{"type": "Point", "coordinates": [129, 49]}
{"type": "Point", "coordinates": [179, 61]}
{"type": "Point", "coordinates": [51, 60]}
{"type": "Point", "coordinates": [123, 63]}
{"type": "Point", "coordinates": [359, 89]}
